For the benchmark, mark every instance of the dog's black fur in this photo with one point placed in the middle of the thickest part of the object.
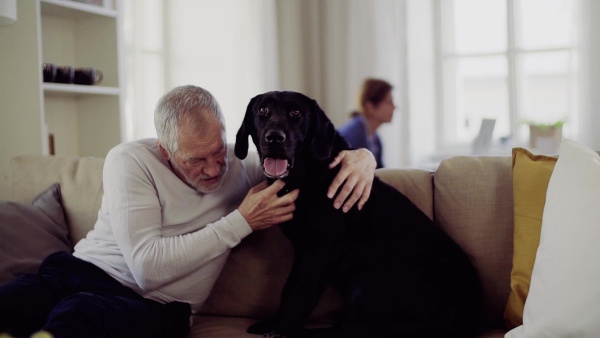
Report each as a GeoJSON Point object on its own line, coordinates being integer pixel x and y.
{"type": "Point", "coordinates": [399, 274]}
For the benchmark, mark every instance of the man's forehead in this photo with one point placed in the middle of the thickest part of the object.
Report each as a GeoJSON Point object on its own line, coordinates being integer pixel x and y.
{"type": "Point", "coordinates": [191, 124]}
{"type": "Point", "coordinates": [201, 145]}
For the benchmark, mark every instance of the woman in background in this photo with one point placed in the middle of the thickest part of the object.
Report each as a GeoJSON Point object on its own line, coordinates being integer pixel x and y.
{"type": "Point", "coordinates": [376, 106]}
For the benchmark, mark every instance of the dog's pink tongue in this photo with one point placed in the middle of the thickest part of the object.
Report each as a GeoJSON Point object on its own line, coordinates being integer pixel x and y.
{"type": "Point", "coordinates": [275, 167]}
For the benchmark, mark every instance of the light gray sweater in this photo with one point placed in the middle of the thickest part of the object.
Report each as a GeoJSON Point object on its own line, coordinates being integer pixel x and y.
{"type": "Point", "coordinates": [157, 235]}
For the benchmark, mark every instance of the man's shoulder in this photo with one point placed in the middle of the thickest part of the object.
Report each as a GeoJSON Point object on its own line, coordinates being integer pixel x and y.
{"type": "Point", "coordinates": [141, 147]}
{"type": "Point", "coordinates": [143, 153]}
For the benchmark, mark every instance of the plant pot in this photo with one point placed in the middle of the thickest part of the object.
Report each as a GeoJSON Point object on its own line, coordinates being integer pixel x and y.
{"type": "Point", "coordinates": [546, 138]}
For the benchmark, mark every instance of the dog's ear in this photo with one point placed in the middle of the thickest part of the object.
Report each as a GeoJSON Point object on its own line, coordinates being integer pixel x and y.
{"type": "Point", "coordinates": [323, 132]}
{"type": "Point", "coordinates": [246, 129]}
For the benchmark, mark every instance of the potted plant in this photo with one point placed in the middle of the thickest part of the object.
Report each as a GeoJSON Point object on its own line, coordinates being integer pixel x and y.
{"type": "Point", "coordinates": [545, 135]}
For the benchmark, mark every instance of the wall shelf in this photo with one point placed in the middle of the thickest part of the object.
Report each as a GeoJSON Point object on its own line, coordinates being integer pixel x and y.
{"type": "Point", "coordinates": [80, 120]}
{"type": "Point", "coordinates": [74, 90]}
{"type": "Point", "coordinates": [72, 9]}
{"type": "Point", "coordinates": [86, 120]}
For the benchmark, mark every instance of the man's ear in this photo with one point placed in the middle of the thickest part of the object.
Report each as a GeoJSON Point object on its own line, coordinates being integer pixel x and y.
{"type": "Point", "coordinates": [323, 133]}
{"type": "Point", "coordinates": [163, 151]}
{"type": "Point", "coordinates": [246, 129]}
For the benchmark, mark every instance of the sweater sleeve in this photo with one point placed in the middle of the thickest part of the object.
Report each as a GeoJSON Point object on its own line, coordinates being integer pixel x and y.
{"type": "Point", "coordinates": [135, 213]}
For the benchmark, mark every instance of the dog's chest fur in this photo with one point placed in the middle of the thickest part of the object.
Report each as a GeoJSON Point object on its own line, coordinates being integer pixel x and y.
{"type": "Point", "coordinates": [316, 221]}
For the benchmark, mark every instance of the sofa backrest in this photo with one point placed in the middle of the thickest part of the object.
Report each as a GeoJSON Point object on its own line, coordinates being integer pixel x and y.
{"type": "Point", "coordinates": [469, 197]}
{"type": "Point", "coordinates": [473, 202]}
{"type": "Point", "coordinates": [80, 180]}
{"type": "Point", "coordinates": [416, 184]}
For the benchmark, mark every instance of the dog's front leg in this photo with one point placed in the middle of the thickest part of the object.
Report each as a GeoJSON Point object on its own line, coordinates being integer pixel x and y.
{"type": "Point", "coordinates": [305, 285]}
{"type": "Point", "coordinates": [302, 290]}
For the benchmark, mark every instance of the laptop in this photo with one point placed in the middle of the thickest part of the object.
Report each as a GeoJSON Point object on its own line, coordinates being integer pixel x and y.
{"type": "Point", "coordinates": [483, 141]}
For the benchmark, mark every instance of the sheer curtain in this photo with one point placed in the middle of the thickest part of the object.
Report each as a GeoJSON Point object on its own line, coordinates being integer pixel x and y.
{"type": "Point", "coordinates": [226, 46]}
{"type": "Point", "coordinates": [377, 48]}
{"type": "Point", "coordinates": [237, 49]}
{"type": "Point", "coordinates": [327, 48]}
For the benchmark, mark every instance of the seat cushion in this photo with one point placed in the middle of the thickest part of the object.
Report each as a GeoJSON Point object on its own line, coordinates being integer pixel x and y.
{"type": "Point", "coordinates": [30, 232]}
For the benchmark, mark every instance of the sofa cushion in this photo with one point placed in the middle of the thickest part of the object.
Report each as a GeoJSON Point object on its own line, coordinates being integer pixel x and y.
{"type": "Point", "coordinates": [531, 174]}
{"type": "Point", "coordinates": [80, 180]}
{"type": "Point", "coordinates": [416, 184]}
{"type": "Point", "coordinates": [31, 232]}
{"type": "Point", "coordinates": [251, 282]}
{"type": "Point", "coordinates": [564, 295]}
{"type": "Point", "coordinates": [474, 204]}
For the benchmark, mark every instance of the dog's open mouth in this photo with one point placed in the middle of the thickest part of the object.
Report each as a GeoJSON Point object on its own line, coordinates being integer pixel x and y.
{"type": "Point", "coordinates": [277, 167]}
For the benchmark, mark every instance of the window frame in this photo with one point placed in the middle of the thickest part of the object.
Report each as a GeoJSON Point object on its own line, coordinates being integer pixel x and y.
{"type": "Point", "coordinates": [512, 54]}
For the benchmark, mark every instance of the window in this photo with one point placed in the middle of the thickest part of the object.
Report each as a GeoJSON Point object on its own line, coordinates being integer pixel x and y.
{"type": "Point", "coordinates": [511, 60]}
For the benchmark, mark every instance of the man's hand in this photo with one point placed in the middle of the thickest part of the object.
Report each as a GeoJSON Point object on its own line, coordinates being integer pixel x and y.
{"type": "Point", "coordinates": [356, 175]}
{"type": "Point", "coordinates": [262, 207]}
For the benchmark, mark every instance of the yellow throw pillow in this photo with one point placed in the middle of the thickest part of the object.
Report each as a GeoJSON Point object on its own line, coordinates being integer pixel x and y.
{"type": "Point", "coordinates": [530, 174]}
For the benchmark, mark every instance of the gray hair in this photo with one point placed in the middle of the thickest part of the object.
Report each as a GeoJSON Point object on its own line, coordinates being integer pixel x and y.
{"type": "Point", "coordinates": [184, 104]}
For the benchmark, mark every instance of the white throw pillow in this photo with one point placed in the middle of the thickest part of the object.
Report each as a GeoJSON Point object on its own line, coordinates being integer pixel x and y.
{"type": "Point", "coordinates": [564, 298]}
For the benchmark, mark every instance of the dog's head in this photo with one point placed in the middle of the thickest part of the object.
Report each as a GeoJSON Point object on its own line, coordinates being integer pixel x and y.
{"type": "Point", "coordinates": [285, 126]}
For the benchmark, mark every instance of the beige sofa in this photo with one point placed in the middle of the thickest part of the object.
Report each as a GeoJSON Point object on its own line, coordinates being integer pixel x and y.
{"type": "Point", "coordinates": [469, 197]}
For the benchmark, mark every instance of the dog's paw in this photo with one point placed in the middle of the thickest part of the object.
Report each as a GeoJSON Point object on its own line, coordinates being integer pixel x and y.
{"type": "Point", "coordinates": [262, 327]}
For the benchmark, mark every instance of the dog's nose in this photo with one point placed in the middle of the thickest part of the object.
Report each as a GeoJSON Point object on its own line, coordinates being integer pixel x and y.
{"type": "Point", "coordinates": [275, 136]}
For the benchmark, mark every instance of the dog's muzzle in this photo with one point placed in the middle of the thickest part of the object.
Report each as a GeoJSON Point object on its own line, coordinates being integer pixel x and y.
{"type": "Point", "coordinates": [278, 167]}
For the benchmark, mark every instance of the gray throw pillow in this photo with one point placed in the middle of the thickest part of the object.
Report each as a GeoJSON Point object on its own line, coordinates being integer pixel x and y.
{"type": "Point", "coordinates": [29, 233]}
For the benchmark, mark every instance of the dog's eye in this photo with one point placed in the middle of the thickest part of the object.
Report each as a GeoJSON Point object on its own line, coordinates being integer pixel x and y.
{"type": "Point", "coordinates": [263, 110]}
{"type": "Point", "coordinates": [295, 113]}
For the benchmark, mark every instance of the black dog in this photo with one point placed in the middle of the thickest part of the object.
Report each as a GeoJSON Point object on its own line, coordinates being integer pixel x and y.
{"type": "Point", "coordinates": [400, 275]}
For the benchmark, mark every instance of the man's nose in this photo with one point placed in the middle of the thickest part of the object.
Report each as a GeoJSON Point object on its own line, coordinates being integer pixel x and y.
{"type": "Point", "coordinates": [212, 168]}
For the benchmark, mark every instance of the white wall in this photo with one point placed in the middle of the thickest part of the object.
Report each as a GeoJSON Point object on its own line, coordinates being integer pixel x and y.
{"type": "Point", "coordinates": [20, 94]}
